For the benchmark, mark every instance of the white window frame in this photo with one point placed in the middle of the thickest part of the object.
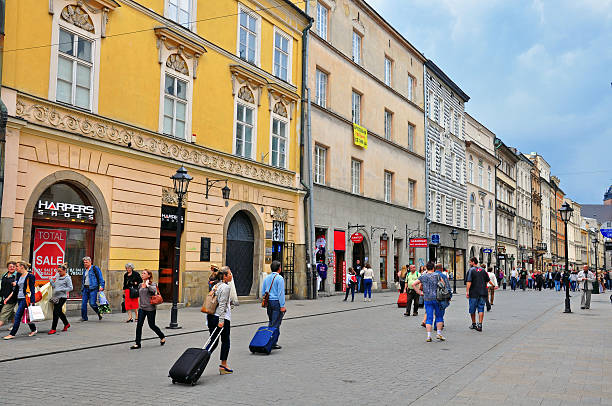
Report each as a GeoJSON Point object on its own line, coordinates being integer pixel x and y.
{"type": "Point", "coordinates": [411, 190]}
{"type": "Point", "coordinates": [480, 176]}
{"type": "Point", "coordinates": [357, 47]}
{"type": "Point", "coordinates": [388, 124]}
{"type": "Point", "coordinates": [356, 112]}
{"type": "Point", "coordinates": [442, 163]}
{"type": "Point", "coordinates": [289, 39]}
{"type": "Point", "coordinates": [432, 156]}
{"type": "Point", "coordinates": [356, 169]}
{"type": "Point", "coordinates": [321, 87]}
{"type": "Point", "coordinates": [75, 62]}
{"type": "Point", "coordinates": [452, 121]}
{"type": "Point", "coordinates": [191, 21]}
{"type": "Point", "coordinates": [320, 165]}
{"type": "Point", "coordinates": [473, 217]}
{"type": "Point", "coordinates": [441, 112]}
{"type": "Point", "coordinates": [410, 87]}
{"type": "Point", "coordinates": [94, 37]}
{"type": "Point", "coordinates": [243, 9]}
{"type": "Point", "coordinates": [252, 106]}
{"type": "Point", "coordinates": [453, 211]}
{"type": "Point", "coordinates": [286, 121]}
{"type": "Point", "coordinates": [453, 166]}
{"type": "Point", "coordinates": [433, 206]}
{"type": "Point", "coordinates": [482, 220]}
{"type": "Point", "coordinates": [388, 187]}
{"type": "Point", "coordinates": [489, 181]}
{"type": "Point", "coordinates": [471, 172]}
{"type": "Point", "coordinates": [460, 217]}
{"type": "Point", "coordinates": [411, 131]}
{"type": "Point", "coordinates": [442, 208]}
{"type": "Point", "coordinates": [322, 29]}
{"type": "Point", "coordinates": [388, 71]}
{"type": "Point", "coordinates": [176, 76]}
{"type": "Point", "coordinates": [430, 103]}
{"type": "Point", "coordinates": [490, 222]}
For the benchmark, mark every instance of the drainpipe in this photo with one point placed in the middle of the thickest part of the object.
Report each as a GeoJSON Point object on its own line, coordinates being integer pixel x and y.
{"type": "Point", "coordinates": [305, 147]}
{"type": "Point", "coordinates": [427, 163]}
{"type": "Point", "coordinates": [3, 109]}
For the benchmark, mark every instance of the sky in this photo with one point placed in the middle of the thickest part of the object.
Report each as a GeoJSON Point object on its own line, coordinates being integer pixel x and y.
{"type": "Point", "coordinates": [539, 75]}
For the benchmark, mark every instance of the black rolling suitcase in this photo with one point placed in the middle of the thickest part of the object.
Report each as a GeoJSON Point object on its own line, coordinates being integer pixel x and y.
{"type": "Point", "coordinates": [190, 366]}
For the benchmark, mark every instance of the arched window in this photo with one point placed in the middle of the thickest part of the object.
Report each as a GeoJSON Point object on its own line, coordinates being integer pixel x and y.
{"type": "Point", "coordinates": [246, 117]}
{"type": "Point", "coordinates": [279, 135]}
{"type": "Point", "coordinates": [177, 89]}
{"type": "Point", "coordinates": [472, 198]}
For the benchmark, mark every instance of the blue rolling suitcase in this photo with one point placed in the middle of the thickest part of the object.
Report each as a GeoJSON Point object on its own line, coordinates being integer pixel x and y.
{"type": "Point", "coordinates": [264, 339]}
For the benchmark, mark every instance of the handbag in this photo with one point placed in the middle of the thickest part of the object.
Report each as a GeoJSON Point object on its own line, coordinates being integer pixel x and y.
{"type": "Point", "coordinates": [266, 297]}
{"type": "Point", "coordinates": [35, 313]}
{"type": "Point", "coordinates": [157, 297]}
{"type": "Point", "coordinates": [211, 302]}
{"type": "Point", "coordinates": [133, 292]}
{"type": "Point", "coordinates": [54, 300]}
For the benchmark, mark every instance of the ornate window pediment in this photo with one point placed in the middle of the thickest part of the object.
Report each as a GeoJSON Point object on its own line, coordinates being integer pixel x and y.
{"type": "Point", "coordinates": [78, 13]}
{"type": "Point", "coordinates": [185, 48]}
{"type": "Point", "coordinates": [75, 15]}
{"type": "Point", "coordinates": [176, 62]}
{"type": "Point", "coordinates": [279, 108]}
{"type": "Point", "coordinates": [244, 93]}
{"type": "Point", "coordinates": [243, 78]}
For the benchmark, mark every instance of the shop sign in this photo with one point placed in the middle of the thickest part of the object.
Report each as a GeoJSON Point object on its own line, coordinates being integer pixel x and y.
{"type": "Point", "coordinates": [333, 265]}
{"type": "Point", "coordinates": [65, 211]}
{"type": "Point", "coordinates": [339, 240]}
{"type": "Point", "coordinates": [344, 276]}
{"type": "Point", "coordinates": [418, 243]}
{"type": "Point", "coordinates": [606, 232]}
{"type": "Point", "coordinates": [357, 238]}
{"type": "Point", "coordinates": [360, 136]}
{"type": "Point", "coordinates": [435, 239]}
{"type": "Point", "coordinates": [49, 251]}
{"type": "Point", "coordinates": [487, 250]}
{"type": "Point", "coordinates": [169, 218]}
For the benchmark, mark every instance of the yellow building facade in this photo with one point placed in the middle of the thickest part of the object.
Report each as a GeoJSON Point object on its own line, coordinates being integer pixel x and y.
{"type": "Point", "coordinates": [107, 99]}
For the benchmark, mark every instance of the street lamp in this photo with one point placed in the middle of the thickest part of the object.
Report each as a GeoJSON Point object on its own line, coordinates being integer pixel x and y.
{"type": "Point", "coordinates": [566, 215]}
{"type": "Point", "coordinates": [181, 181]}
{"type": "Point", "coordinates": [454, 233]}
{"type": "Point", "coordinates": [595, 243]}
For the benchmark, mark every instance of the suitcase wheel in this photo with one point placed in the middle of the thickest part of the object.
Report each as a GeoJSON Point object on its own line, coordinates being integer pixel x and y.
{"type": "Point", "coordinates": [193, 383]}
{"type": "Point", "coordinates": [173, 382]}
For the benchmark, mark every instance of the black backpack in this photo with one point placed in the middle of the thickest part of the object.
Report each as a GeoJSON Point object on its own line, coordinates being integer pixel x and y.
{"type": "Point", "coordinates": [442, 293]}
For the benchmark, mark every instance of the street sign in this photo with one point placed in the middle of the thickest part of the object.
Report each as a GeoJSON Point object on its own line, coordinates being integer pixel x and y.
{"type": "Point", "coordinates": [418, 243]}
{"type": "Point", "coordinates": [357, 238]}
{"type": "Point", "coordinates": [435, 239]}
{"type": "Point", "coordinates": [606, 232]}
{"type": "Point", "coordinates": [48, 252]}
{"type": "Point", "coordinates": [487, 250]}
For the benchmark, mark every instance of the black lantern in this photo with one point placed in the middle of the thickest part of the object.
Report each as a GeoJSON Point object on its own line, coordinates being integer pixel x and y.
{"type": "Point", "coordinates": [181, 181]}
{"type": "Point", "coordinates": [225, 191]}
{"type": "Point", "coordinates": [566, 212]}
{"type": "Point", "coordinates": [454, 234]}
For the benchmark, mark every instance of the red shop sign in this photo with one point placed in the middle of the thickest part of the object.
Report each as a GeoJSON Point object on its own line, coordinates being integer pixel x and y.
{"type": "Point", "coordinates": [418, 243]}
{"type": "Point", "coordinates": [357, 238]}
{"type": "Point", "coordinates": [48, 253]}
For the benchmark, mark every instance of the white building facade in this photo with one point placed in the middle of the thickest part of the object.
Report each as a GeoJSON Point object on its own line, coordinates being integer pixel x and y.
{"type": "Point", "coordinates": [546, 190]}
{"type": "Point", "coordinates": [524, 225]}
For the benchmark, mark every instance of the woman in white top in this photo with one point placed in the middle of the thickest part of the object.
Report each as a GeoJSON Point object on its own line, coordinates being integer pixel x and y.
{"type": "Point", "coordinates": [351, 282]}
{"type": "Point", "coordinates": [367, 274]}
{"type": "Point", "coordinates": [222, 317]}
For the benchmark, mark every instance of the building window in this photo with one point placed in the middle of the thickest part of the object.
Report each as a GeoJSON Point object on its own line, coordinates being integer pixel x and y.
{"type": "Point", "coordinates": [180, 11]}
{"type": "Point", "coordinates": [388, 124]}
{"type": "Point", "coordinates": [245, 123]}
{"type": "Point", "coordinates": [460, 216]}
{"type": "Point", "coordinates": [442, 161]}
{"type": "Point", "coordinates": [472, 217]}
{"type": "Point", "coordinates": [388, 186]}
{"type": "Point", "coordinates": [453, 212]}
{"type": "Point", "coordinates": [410, 137]}
{"type": "Point", "coordinates": [489, 183]}
{"type": "Point", "coordinates": [247, 37]}
{"type": "Point", "coordinates": [471, 172]}
{"type": "Point", "coordinates": [482, 223]}
{"type": "Point", "coordinates": [320, 164]}
{"type": "Point", "coordinates": [322, 21]}
{"type": "Point", "coordinates": [441, 112]}
{"type": "Point", "coordinates": [388, 71]}
{"type": "Point", "coordinates": [480, 179]}
{"type": "Point", "coordinates": [430, 104]}
{"type": "Point", "coordinates": [356, 107]}
{"type": "Point", "coordinates": [356, 47]}
{"type": "Point", "coordinates": [74, 70]}
{"type": "Point", "coordinates": [490, 222]}
{"type": "Point", "coordinates": [453, 158]}
{"type": "Point", "coordinates": [279, 136]}
{"type": "Point", "coordinates": [411, 190]}
{"type": "Point", "coordinates": [433, 205]}
{"type": "Point", "coordinates": [356, 176]}
{"type": "Point", "coordinates": [175, 106]}
{"type": "Point", "coordinates": [321, 88]}
{"type": "Point", "coordinates": [452, 121]}
{"type": "Point", "coordinates": [432, 155]}
{"type": "Point", "coordinates": [282, 56]}
{"type": "Point", "coordinates": [410, 87]}
{"type": "Point", "coordinates": [443, 208]}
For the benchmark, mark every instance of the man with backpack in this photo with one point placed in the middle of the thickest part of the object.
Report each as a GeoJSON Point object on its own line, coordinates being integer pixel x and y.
{"type": "Point", "coordinates": [93, 282]}
{"type": "Point", "coordinates": [476, 292]}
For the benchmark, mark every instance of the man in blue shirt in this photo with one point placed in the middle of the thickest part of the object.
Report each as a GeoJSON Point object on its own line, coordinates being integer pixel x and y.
{"type": "Point", "coordinates": [275, 285]}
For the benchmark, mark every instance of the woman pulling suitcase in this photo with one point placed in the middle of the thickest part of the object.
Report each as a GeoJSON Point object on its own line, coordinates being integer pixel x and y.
{"type": "Point", "coordinates": [222, 317]}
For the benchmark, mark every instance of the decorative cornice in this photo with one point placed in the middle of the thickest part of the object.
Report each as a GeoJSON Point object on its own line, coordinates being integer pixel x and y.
{"type": "Point", "coordinates": [95, 7]}
{"type": "Point", "coordinates": [88, 125]}
{"type": "Point", "coordinates": [279, 214]}
{"type": "Point", "coordinates": [173, 41]}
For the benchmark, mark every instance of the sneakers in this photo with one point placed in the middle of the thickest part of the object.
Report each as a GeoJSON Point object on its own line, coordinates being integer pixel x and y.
{"type": "Point", "coordinates": [33, 333]}
{"type": "Point", "coordinates": [66, 327]}
{"type": "Point", "coordinates": [52, 332]}
{"type": "Point", "coordinates": [365, 300]}
{"type": "Point", "coordinates": [440, 337]}
{"type": "Point", "coordinates": [479, 327]}
{"type": "Point", "coordinates": [428, 340]}
{"type": "Point", "coordinates": [473, 326]}
{"type": "Point", "coordinates": [99, 316]}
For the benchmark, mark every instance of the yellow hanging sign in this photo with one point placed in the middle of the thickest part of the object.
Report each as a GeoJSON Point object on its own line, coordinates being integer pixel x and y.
{"type": "Point", "coordinates": [360, 136]}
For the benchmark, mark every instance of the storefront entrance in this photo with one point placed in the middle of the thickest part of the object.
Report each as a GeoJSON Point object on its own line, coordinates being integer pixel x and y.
{"type": "Point", "coordinates": [239, 252]}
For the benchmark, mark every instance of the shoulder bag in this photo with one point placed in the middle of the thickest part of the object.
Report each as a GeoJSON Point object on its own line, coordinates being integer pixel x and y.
{"type": "Point", "coordinates": [266, 297]}
{"type": "Point", "coordinates": [157, 297]}
{"type": "Point", "coordinates": [211, 302]}
{"type": "Point", "coordinates": [442, 293]}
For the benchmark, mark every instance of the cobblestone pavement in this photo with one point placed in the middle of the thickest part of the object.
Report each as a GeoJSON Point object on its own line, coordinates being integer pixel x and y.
{"type": "Point", "coordinates": [336, 353]}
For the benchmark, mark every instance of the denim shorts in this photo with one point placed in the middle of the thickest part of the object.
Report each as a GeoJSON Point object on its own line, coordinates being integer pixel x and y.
{"type": "Point", "coordinates": [477, 303]}
{"type": "Point", "coordinates": [432, 307]}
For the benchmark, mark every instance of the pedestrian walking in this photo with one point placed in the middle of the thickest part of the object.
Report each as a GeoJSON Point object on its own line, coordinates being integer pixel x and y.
{"type": "Point", "coordinates": [220, 322]}
{"type": "Point", "coordinates": [274, 284]}
{"type": "Point", "coordinates": [6, 288]}
{"type": "Point", "coordinates": [523, 278]}
{"type": "Point", "coordinates": [513, 278]}
{"type": "Point", "coordinates": [440, 271]}
{"type": "Point", "coordinates": [146, 310]}
{"type": "Point", "coordinates": [93, 282]}
{"type": "Point", "coordinates": [62, 285]}
{"type": "Point", "coordinates": [557, 279]}
{"type": "Point", "coordinates": [401, 276]}
{"type": "Point", "coordinates": [573, 280]}
{"type": "Point", "coordinates": [131, 282]}
{"type": "Point", "coordinates": [24, 286]}
{"type": "Point", "coordinates": [411, 293]}
{"type": "Point", "coordinates": [539, 280]}
{"type": "Point", "coordinates": [492, 285]}
{"type": "Point", "coordinates": [427, 286]}
{"type": "Point", "coordinates": [501, 278]}
{"type": "Point", "coordinates": [367, 276]}
{"type": "Point", "coordinates": [351, 283]}
{"type": "Point", "coordinates": [586, 279]}
{"type": "Point", "coordinates": [358, 269]}
{"type": "Point", "coordinates": [476, 292]}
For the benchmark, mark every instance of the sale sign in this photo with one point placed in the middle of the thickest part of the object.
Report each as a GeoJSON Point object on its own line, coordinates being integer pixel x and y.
{"type": "Point", "coordinates": [49, 251]}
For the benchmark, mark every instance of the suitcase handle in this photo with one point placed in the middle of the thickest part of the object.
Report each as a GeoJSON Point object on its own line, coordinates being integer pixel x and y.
{"type": "Point", "coordinates": [208, 342]}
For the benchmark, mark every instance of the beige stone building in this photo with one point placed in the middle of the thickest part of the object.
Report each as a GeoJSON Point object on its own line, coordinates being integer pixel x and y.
{"type": "Point", "coordinates": [366, 84]}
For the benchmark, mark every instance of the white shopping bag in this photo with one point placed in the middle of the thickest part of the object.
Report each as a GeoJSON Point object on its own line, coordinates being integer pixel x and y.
{"type": "Point", "coordinates": [233, 293]}
{"type": "Point", "coordinates": [102, 298]}
{"type": "Point", "coordinates": [36, 313]}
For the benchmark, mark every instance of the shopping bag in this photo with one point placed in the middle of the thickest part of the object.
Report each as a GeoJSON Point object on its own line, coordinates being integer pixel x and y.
{"type": "Point", "coordinates": [103, 305]}
{"type": "Point", "coordinates": [46, 292]}
{"type": "Point", "coordinates": [233, 293]}
{"type": "Point", "coordinates": [35, 313]}
{"type": "Point", "coordinates": [102, 298]}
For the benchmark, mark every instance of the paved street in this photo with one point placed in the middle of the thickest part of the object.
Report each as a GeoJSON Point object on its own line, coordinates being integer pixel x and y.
{"type": "Point", "coordinates": [338, 353]}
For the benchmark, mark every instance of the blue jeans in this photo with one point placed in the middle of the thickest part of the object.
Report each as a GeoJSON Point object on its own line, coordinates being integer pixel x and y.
{"type": "Point", "coordinates": [367, 288]}
{"type": "Point", "coordinates": [21, 307]}
{"type": "Point", "coordinates": [477, 303]}
{"type": "Point", "coordinates": [513, 283]}
{"type": "Point", "coordinates": [90, 296]}
{"type": "Point", "coordinates": [275, 316]}
{"type": "Point", "coordinates": [433, 308]}
{"type": "Point", "coordinates": [557, 285]}
{"type": "Point", "coordinates": [573, 285]}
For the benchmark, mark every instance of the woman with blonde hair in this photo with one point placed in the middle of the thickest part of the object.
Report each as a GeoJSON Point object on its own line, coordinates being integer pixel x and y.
{"type": "Point", "coordinates": [24, 281]}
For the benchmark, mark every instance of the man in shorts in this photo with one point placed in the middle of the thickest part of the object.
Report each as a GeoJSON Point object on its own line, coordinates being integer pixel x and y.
{"type": "Point", "coordinates": [476, 292]}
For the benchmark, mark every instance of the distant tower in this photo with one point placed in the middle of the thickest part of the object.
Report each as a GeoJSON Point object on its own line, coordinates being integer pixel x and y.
{"type": "Point", "coordinates": [608, 197]}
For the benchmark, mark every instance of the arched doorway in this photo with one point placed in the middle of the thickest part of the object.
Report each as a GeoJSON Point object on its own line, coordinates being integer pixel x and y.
{"type": "Point", "coordinates": [239, 252]}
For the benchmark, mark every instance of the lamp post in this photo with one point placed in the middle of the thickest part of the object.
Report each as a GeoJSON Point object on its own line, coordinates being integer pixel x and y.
{"type": "Point", "coordinates": [454, 233]}
{"type": "Point", "coordinates": [595, 243]}
{"type": "Point", "coordinates": [181, 181]}
{"type": "Point", "coordinates": [566, 215]}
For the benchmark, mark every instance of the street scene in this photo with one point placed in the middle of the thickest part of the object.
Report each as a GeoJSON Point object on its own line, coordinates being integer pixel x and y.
{"type": "Point", "coordinates": [306, 201]}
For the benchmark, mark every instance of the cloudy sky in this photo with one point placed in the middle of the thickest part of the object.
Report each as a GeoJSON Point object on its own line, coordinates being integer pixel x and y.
{"type": "Point", "coordinates": [538, 72]}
